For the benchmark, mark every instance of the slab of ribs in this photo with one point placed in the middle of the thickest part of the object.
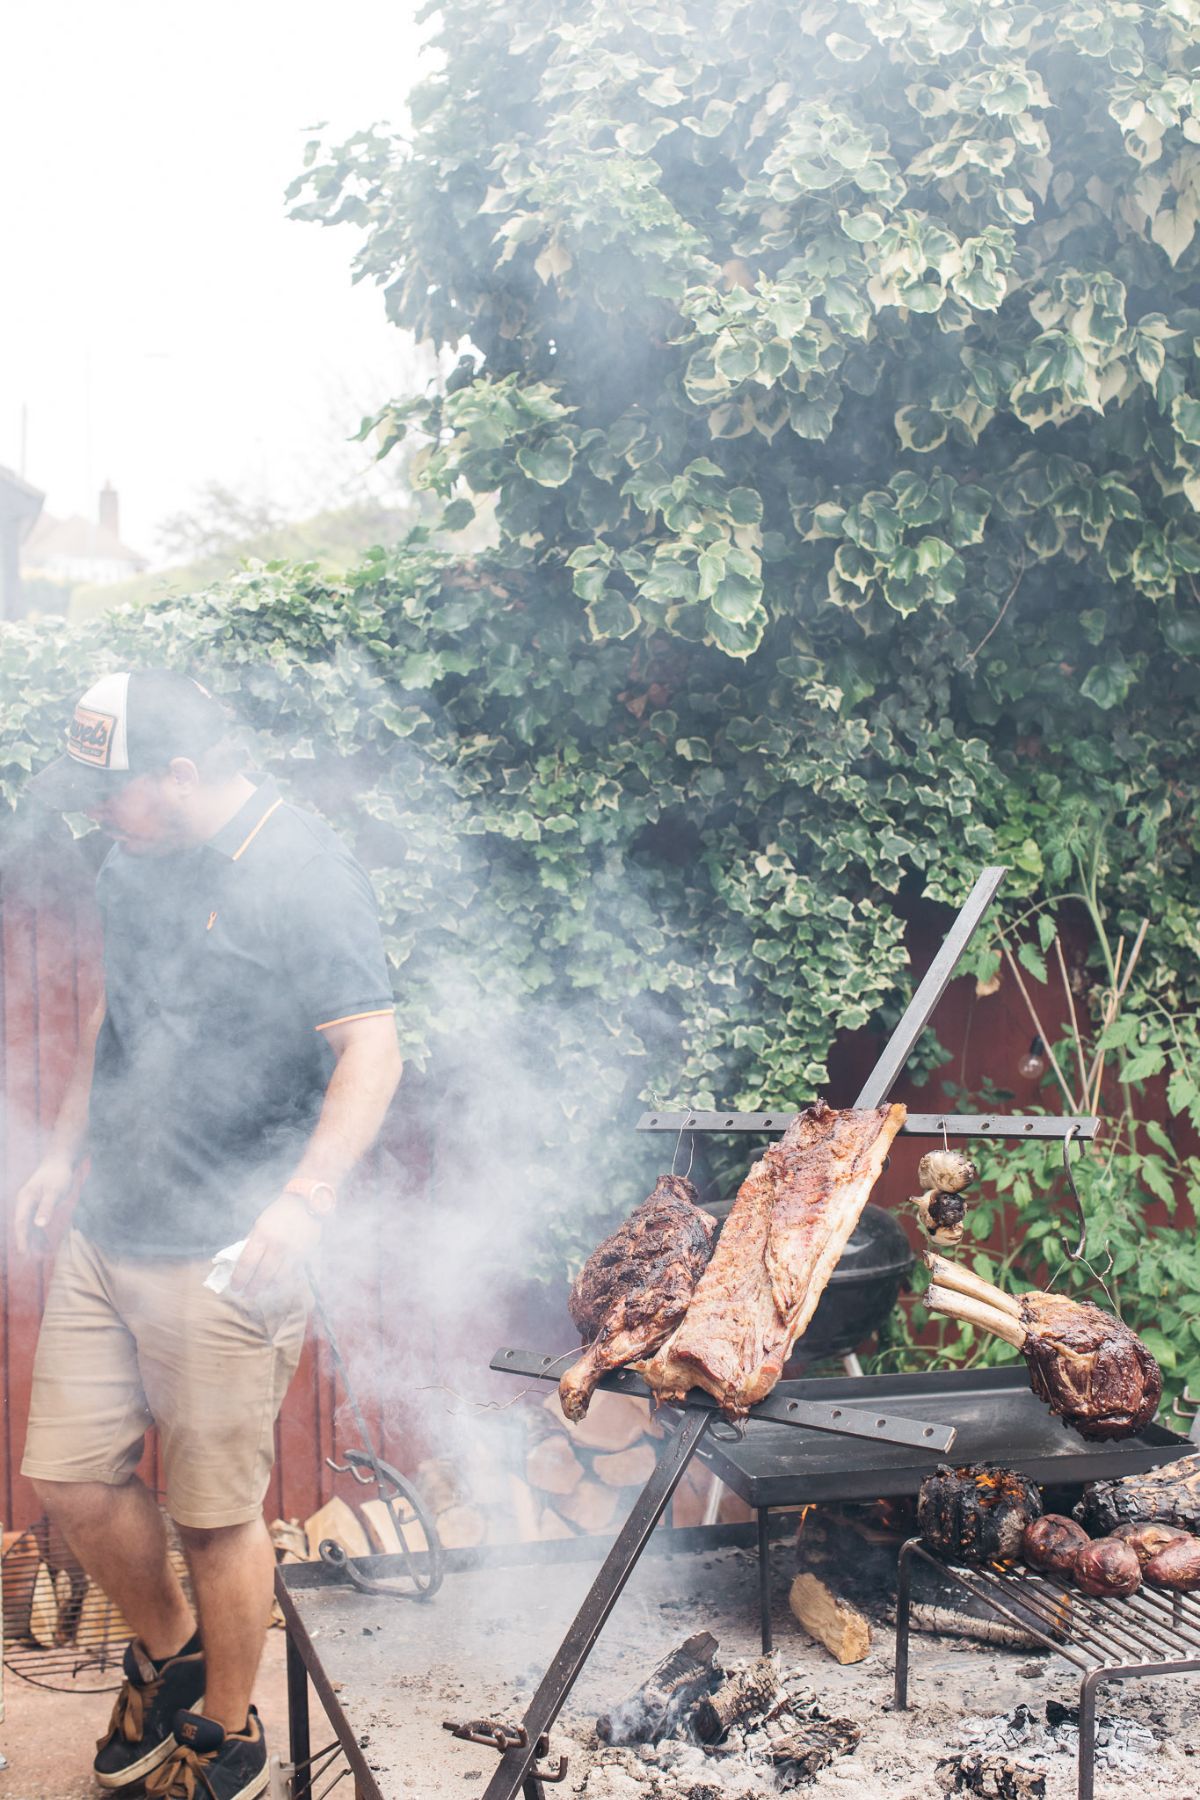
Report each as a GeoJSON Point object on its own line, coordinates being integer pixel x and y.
{"type": "Point", "coordinates": [731, 1328]}
{"type": "Point", "coordinates": [1085, 1364]}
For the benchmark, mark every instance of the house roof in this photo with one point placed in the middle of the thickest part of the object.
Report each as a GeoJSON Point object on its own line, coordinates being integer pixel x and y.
{"type": "Point", "coordinates": [18, 498]}
{"type": "Point", "coordinates": [77, 537]}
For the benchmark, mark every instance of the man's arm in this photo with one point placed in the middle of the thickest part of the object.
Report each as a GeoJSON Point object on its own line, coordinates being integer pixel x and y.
{"type": "Point", "coordinates": [365, 1076]}
{"type": "Point", "coordinates": [51, 1180]}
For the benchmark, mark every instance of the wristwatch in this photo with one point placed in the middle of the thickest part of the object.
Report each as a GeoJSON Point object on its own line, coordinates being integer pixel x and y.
{"type": "Point", "coordinates": [318, 1196]}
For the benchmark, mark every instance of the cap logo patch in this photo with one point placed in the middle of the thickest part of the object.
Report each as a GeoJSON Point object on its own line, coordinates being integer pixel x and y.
{"type": "Point", "coordinates": [90, 739]}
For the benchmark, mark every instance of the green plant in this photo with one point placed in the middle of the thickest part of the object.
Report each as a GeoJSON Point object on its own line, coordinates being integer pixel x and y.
{"type": "Point", "coordinates": [833, 372]}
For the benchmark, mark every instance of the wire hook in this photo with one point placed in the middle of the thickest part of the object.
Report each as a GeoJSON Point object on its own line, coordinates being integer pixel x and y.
{"type": "Point", "coordinates": [1079, 1255]}
{"type": "Point", "coordinates": [691, 1137]}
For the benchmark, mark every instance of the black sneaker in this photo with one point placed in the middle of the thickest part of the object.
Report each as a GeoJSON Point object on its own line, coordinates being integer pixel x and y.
{"type": "Point", "coordinates": [208, 1763]}
{"type": "Point", "coordinates": [140, 1734]}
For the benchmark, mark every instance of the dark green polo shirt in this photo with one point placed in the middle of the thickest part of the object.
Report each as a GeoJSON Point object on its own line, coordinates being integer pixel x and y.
{"type": "Point", "coordinates": [223, 967]}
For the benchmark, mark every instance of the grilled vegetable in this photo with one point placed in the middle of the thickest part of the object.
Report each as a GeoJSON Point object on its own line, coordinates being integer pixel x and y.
{"type": "Point", "coordinates": [1176, 1567]}
{"type": "Point", "coordinates": [977, 1514]}
{"type": "Point", "coordinates": [1170, 1495]}
{"type": "Point", "coordinates": [1107, 1569]}
{"type": "Point", "coordinates": [1053, 1543]}
{"type": "Point", "coordinates": [949, 1171]}
{"type": "Point", "coordinates": [1147, 1540]}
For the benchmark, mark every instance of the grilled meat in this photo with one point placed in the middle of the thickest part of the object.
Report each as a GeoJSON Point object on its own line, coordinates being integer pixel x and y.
{"type": "Point", "coordinates": [634, 1289]}
{"type": "Point", "coordinates": [792, 1219]}
{"type": "Point", "coordinates": [977, 1514]}
{"type": "Point", "coordinates": [1169, 1495]}
{"type": "Point", "coordinates": [1087, 1366]}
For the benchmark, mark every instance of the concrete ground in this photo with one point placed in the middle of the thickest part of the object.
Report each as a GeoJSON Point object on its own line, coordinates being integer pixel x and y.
{"type": "Point", "coordinates": [49, 1738]}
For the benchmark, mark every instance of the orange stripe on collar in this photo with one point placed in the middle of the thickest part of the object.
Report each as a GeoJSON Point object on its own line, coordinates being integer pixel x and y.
{"type": "Point", "coordinates": [246, 843]}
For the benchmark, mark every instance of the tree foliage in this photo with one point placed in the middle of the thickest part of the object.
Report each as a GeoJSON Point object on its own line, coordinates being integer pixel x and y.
{"type": "Point", "coordinates": [833, 367]}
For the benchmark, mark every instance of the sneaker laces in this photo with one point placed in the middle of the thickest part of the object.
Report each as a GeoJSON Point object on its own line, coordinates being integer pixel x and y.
{"type": "Point", "coordinates": [128, 1720]}
{"type": "Point", "coordinates": [182, 1777]}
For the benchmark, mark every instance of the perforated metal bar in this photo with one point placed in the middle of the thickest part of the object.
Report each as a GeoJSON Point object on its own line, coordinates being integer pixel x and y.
{"type": "Point", "coordinates": [956, 1125]}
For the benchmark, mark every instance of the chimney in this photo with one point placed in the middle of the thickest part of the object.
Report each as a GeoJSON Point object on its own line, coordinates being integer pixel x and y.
{"type": "Point", "coordinates": [110, 518]}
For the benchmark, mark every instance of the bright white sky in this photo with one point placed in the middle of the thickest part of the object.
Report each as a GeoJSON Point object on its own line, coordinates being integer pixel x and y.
{"type": "Point", "coordinates": [161, 320]}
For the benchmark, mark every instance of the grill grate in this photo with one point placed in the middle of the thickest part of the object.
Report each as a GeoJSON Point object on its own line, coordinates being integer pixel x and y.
{"type": "Point", "coordinates": [1148, 1633]}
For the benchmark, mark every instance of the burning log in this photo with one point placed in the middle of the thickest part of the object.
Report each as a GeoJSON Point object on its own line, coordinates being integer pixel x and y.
{"type": "Point", "coordinates": [755, 1690]}
{"type": "Point", "coordinates": [1086, 1365]}
{"type": "Point", "coordinates": [946, 1621]}
{"type": "Point", "coordinates": [653, 1710]}
{"type": "Point", "coordinates": [1166, 1496]}
{"type": "Point", "coordinates": [991, 1777]}
{"type": "Point", "coordinates": [977, 1514]}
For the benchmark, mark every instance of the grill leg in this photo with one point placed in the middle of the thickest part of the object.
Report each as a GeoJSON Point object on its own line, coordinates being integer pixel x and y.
{"type": "Point", "coordinates": [903, 1604]}
{"type": "Point", "coordinates": [299, 1745]}
{"type": "Point", "coordinates": [513, 1770]}
{"type": "Point", "coordinates": [764, 1577]}
{"type": "Point", "coordinates": [1088, 1689]}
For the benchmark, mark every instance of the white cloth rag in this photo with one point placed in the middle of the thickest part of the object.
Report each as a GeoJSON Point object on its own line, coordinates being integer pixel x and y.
{"type": "Point", "coordinates": [223, 1265]}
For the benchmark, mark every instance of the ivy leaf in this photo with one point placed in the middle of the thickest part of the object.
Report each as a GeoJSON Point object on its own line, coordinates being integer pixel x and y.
{"type": "Point", "coordinates": [457, 514]}
{"type": "Point", "coordinates": [1107, 683]}
{"type": "Point", "coordinates": [549, 463]}
{"type": "Point", "coordinates": [612, 616]}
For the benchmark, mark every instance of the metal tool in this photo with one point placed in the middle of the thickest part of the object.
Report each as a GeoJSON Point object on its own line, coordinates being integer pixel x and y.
{"type": "Point", "coordinates": [423, 1570]}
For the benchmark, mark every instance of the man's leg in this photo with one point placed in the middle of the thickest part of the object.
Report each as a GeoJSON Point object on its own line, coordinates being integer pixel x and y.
{"type": "Point", "coordinates": [118, 1535]}
{"type": "Point", "coordinates": [233, 1574]}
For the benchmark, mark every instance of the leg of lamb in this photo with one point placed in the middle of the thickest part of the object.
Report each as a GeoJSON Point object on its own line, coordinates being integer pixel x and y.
{"type": "Point", "coordinates": [633, 1290]}
{"type": "Point", "coordinates": [790, 1223]}
{"type": "Point", "coordinates": [1086, 1365]}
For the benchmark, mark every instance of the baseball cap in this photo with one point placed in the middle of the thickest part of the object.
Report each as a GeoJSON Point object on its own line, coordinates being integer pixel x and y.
{"type": "Point", "coordinates": [129, 723]}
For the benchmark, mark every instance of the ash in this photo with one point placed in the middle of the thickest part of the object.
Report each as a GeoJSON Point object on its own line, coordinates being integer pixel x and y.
{"type": "Point", "coordinates": [1121, 1744]}
{"type": "Point", "coordinates": [750, 1762]}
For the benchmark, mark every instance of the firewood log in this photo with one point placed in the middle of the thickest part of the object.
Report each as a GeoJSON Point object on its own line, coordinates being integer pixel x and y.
{"type": "Point", "coordinates": [612, 1421]}
{"type": "Point", "coordinates": [100, 1626]}
{"type": "Point", "coordinates": [553, 1467]}
{"type": "Point", "coordinates": [461, 1527]}
{"type": "Point", "coordinates": [829, 1618]}
{"type": "Point", "coordinates": [551, 1527]}
{"type": "Point", "coordinates": [43, 1609]}
{"type": "Point", "coordinates": [287, 1536]}
{"type": "Point", "coordinates": [336, 1520]}
{"type": "Point", "coordinates": [626, 1468]}
{"type": "Point", "coordinates": [591, 1506]}
{"type": "Point", "coordinates": [977, 1514]}
{"type": "Point", "coordinates": [523, 1503]}
{"type": "Point", "coordinates": [440, 1483]}
{"type": "Point", "coordinates": [22, 1561]}
{"type": "Point", "coordinates": [651, 1711]}
{"type": "Point", "coordinates": [755, 1690]}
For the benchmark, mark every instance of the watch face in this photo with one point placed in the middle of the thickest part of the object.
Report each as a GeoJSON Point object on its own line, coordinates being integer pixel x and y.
{"type": "Point", "coordinates": [322, 1200]}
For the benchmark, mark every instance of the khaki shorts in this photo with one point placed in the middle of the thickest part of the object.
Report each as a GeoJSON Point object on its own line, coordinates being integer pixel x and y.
{"type": "Point", "coordinates": [125, 1345]}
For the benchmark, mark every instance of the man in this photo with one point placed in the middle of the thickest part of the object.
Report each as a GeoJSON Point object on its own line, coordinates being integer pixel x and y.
{"type": "Point", "coordinates": [239, 1064]}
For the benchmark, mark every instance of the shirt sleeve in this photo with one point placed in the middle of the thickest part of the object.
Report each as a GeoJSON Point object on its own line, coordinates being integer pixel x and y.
{"type": "Point", "coordinates": [333, 945]}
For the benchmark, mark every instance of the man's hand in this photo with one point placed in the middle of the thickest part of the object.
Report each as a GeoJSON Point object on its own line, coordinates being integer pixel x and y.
{"type": "Point", "coordinates": [46, 1188]}
{"type": "Point", "coordinates": [284, 1236]}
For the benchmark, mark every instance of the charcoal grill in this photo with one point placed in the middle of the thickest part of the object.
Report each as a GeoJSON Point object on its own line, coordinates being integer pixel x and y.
{"type": "Point", "coordinates": [1150, 1633]}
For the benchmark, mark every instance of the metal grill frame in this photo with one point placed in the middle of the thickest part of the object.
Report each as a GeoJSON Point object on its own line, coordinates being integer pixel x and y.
{"type": "Point", "coordinates": [1149, 1633]}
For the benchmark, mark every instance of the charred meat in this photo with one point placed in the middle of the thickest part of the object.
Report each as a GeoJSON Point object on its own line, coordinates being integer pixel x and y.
{"type": "Point", "coordinates": [789, 1225]}
{"type": "Point", "coordinates": [978, 1514]}
{"type": "Point", "coordinates": [1086, 1365]}
{"type": "Point", "coordinates": [633, 1291]}
{"type": "Point", "coordinates": [1169, 1495]}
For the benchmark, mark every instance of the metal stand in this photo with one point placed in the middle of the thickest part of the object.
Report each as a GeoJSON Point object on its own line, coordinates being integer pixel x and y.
{"type": "Point", "coordinates": [1151, 1633]}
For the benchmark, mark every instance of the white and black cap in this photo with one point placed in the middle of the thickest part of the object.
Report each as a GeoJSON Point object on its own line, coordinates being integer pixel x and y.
{"type": "Point", "coordinates": [130, 723]}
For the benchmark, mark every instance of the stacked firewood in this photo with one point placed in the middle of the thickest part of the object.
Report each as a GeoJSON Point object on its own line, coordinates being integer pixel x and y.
{"type": "Point", "coordinates": [49, 1603]}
